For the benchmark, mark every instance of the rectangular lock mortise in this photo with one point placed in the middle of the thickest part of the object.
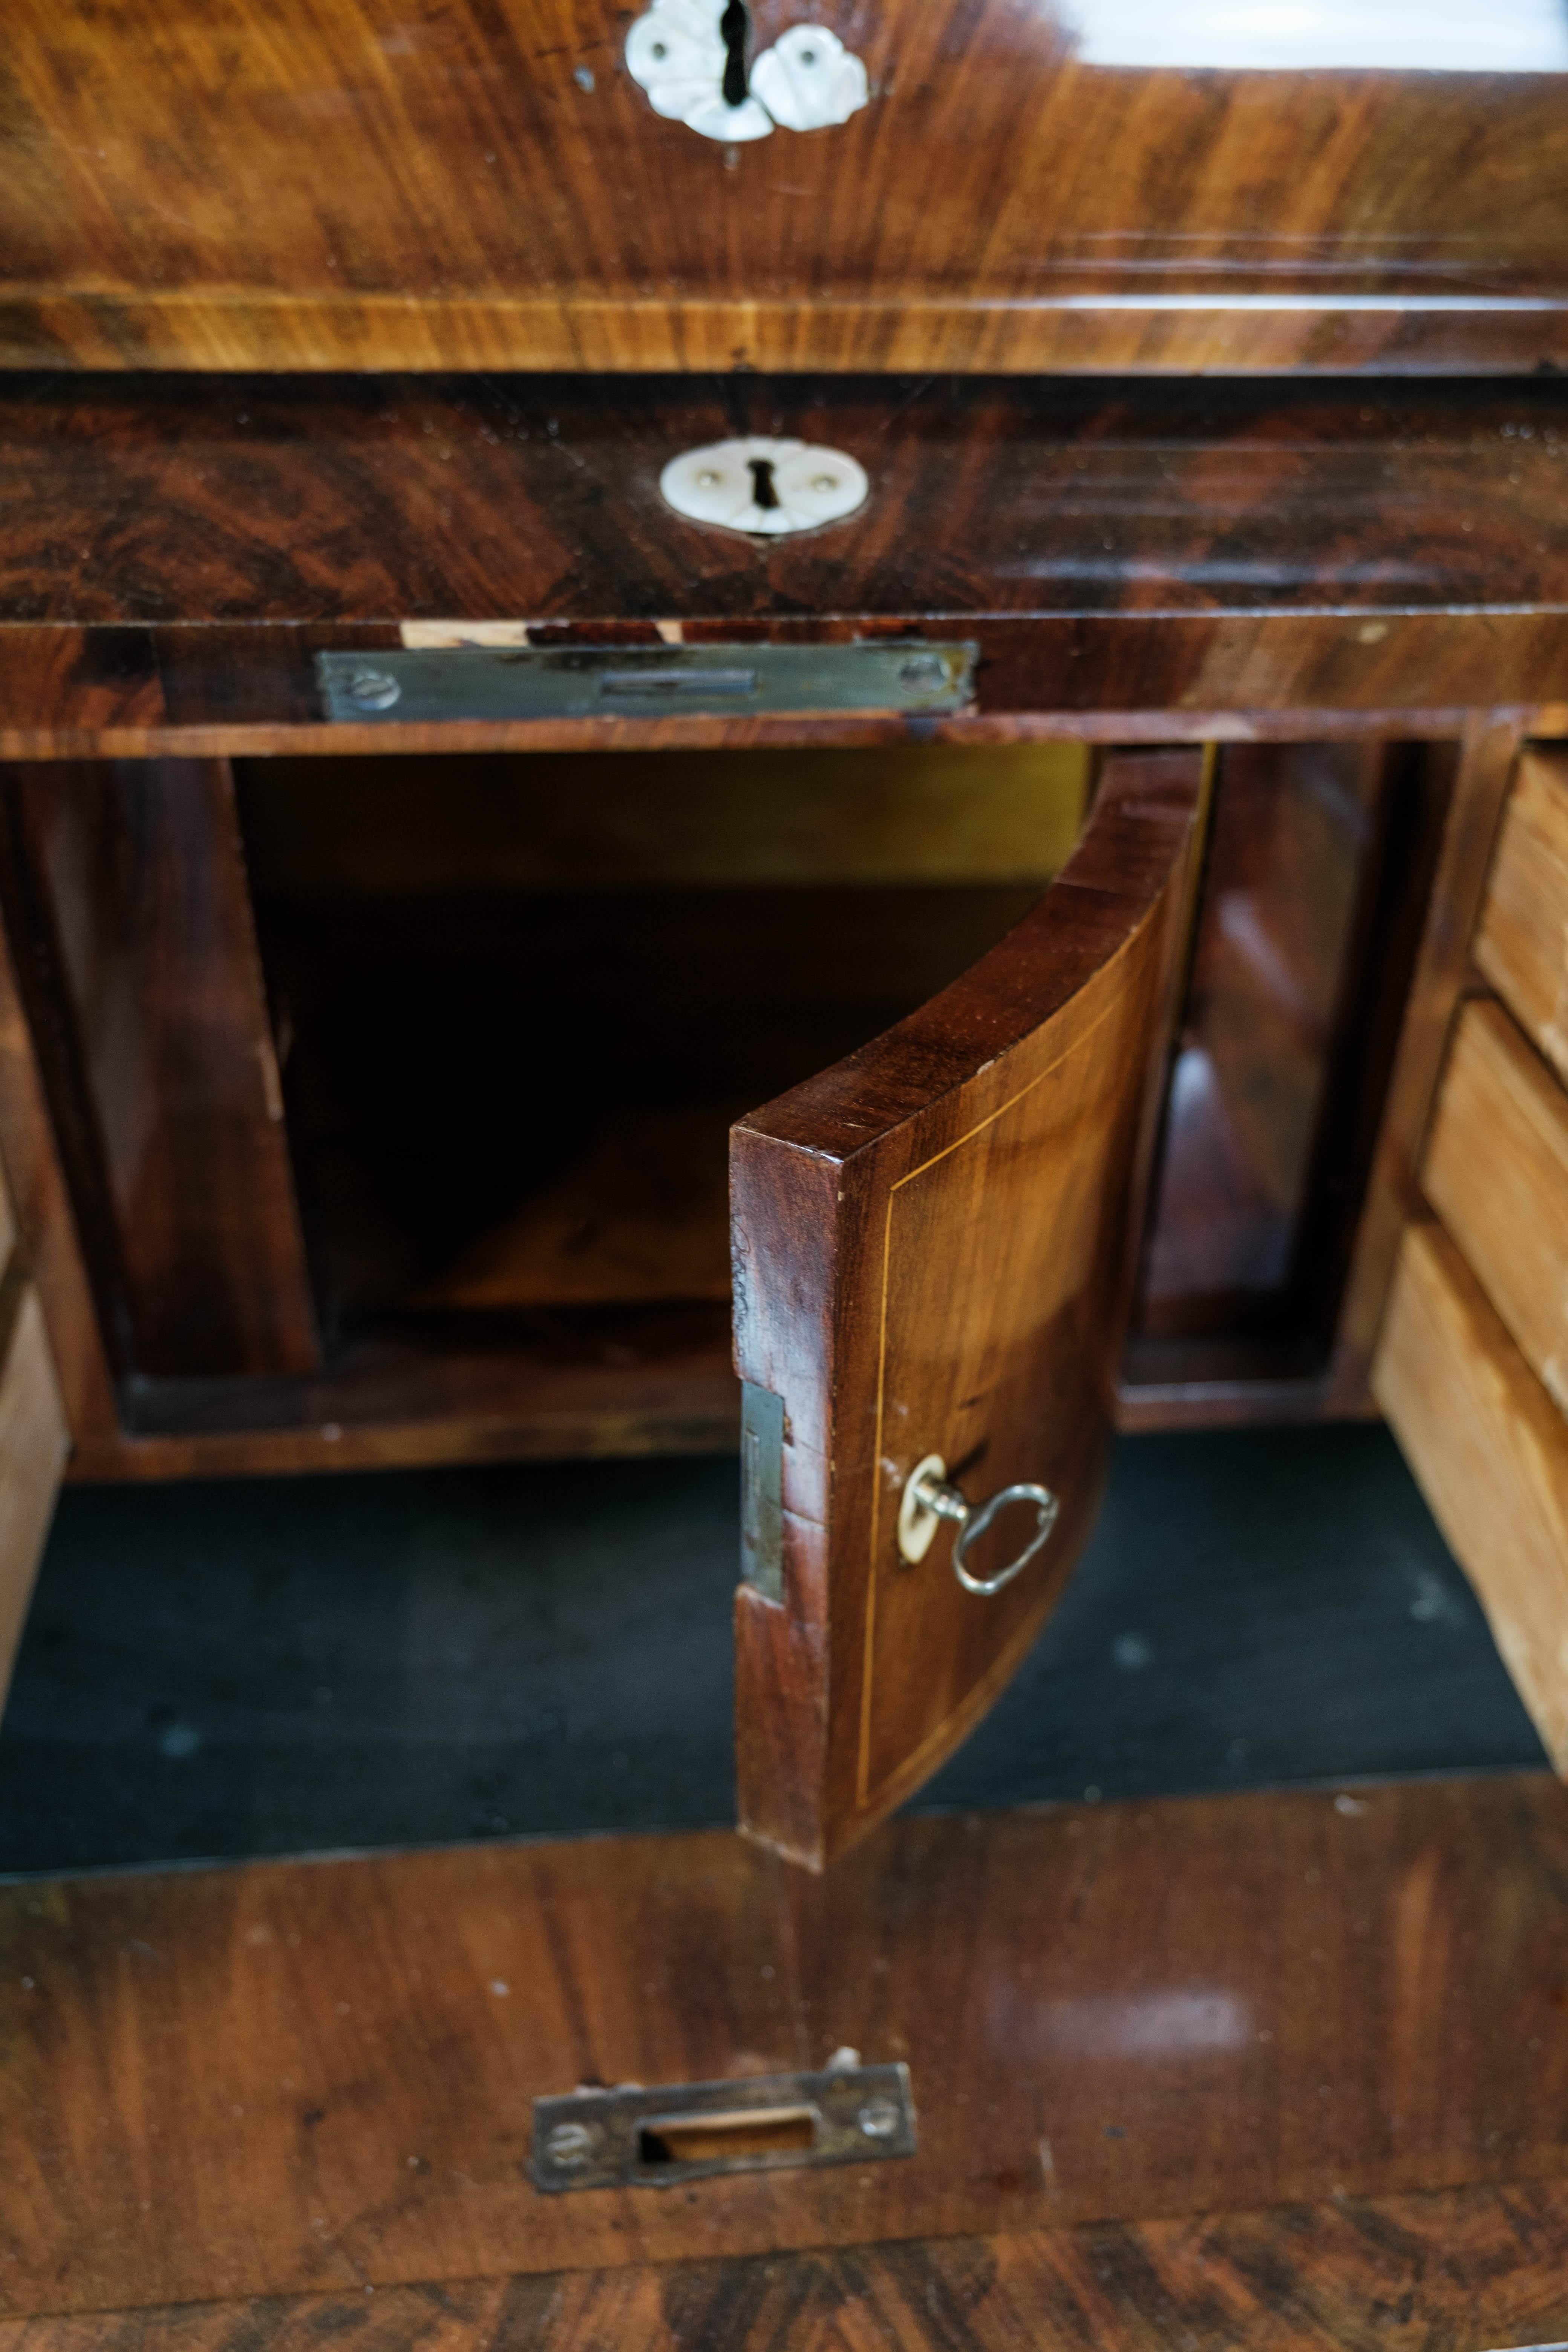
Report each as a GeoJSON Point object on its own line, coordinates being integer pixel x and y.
{"type": "Point", "coordinates": [723, 2137]}
{"type": "Point", "coordinates": [694, 685]}
{"type": "Point", "coordinates": [762, 1491]}
{"type": "Point", "coordinates": [631, 2138]}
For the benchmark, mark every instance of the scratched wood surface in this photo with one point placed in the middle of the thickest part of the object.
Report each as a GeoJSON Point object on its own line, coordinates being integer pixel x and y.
{"type": "Point", "coordinates": [308, 2077]}
{"type": "Point", "coordinates": [1465, 2266]}
{"type": "Point", "coordinates": [1164, 554]}
{"type": "Point", "coordinates": [357, 183]}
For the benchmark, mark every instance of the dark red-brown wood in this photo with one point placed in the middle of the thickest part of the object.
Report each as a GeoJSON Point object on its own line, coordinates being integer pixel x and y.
{"type": "Point", "coordinates": [126, 894]}
{"type": "Point", "coordinates": [1462, 2265]}
{"type": "Point", "coordinates": [1190, 550]}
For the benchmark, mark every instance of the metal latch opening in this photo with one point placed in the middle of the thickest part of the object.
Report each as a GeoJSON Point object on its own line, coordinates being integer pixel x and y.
{"type": "Point", "coordinates": [631, 2138]}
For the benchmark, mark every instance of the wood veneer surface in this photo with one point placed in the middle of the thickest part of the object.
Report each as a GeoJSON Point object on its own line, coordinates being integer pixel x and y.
{"type": "Point", "coordinates": [159, 499]}
{"type": "Point", "coordinates": [301, 2078]}
{"type": "Point", "coordinates": [351, 182]}
{"type": "Point", "coordinates": [1191, 548]}
{"type": "Point", "coordinates": [1468, 2266]}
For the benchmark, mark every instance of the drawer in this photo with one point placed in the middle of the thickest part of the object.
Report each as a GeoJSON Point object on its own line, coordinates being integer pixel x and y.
{"type": "Point", "coordinates": [1472, 1369]}
{"type": "Point", "coordinates": [447, 184]}
{"type": "Point", "coordinates": [1489, 1449]}
{"type": "Point", "coordinates": [1496, 1170]}
{"type": "Point", "coordinates": [1522, 944]}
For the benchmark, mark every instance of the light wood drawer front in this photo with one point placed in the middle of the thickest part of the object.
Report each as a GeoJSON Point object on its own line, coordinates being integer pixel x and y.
{"type": "Point", "coordinates": [1489, 1450]}
{"type": "Point", "coordinates": [33, 1443]}
{"type": "Point", "coordinates": [1497, 1174]}
{"type": "Point", "coordinates": [1521, 944]}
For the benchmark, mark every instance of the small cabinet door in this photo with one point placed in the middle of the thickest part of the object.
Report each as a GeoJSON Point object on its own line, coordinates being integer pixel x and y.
{"type": "Point", "coordinates": [934, 1247]}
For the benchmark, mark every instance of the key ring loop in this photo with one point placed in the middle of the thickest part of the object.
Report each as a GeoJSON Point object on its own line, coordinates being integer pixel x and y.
{"type": "Point", "coordinates": [928, 1497]}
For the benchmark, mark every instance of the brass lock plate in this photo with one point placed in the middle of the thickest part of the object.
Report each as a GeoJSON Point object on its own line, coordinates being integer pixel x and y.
{"type": "Point", "coordinates": [511, 682]}
{"type": "Point", "coordinates": [636, 2138]}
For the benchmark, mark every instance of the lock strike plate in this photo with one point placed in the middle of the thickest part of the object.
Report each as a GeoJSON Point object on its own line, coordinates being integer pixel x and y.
{"type": "Point", "coordinates": [511, 682]}
{"type": "Point", "coordinates": [633, 2138]}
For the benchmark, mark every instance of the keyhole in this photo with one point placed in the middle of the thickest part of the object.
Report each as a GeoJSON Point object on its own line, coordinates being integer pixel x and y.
{"type": "Point", "coordinates": [763, 494]}
{"type": "Point", "coordinates": [735, 27]}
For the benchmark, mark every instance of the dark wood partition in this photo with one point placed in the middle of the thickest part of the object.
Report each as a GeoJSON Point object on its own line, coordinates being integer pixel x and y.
{"type": "Point", "coordinates": [125, 890]}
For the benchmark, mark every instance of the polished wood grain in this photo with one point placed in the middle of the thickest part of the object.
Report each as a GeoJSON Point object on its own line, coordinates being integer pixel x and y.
{"type": "Point", "coordinates": [33, 1443]}
{"type": "Point", "coordinates": [1316, 890]}
{"type": "Point", "coordinates": [1477, 2265]}
{"type": "Point", "coordinates": [934, 1245]}
{"type": "Point", "coordinates": [288, 2077]}
{"type": "Point", "coordinates": [1265, 1005]}
{"type": "Point", "coordinates": [1489, 1450]}
{"type": "Point", "coordinates": [343, 184]}
{"type": "Point", "coordinates": [1521, 940]}
{"type": "Point", "coordinates": [1470, 798]}
{"type": "Point", "coordinates": [1202, 552]}
{"type": "Point", "coordinates": [1496, 1170]}
{"type": "Point", "coordinates": [127, 895]}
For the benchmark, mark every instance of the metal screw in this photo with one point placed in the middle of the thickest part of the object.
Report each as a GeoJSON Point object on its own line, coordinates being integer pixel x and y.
{"type": "Point", "coordinates": [809, 57]}
{"type": "Point", "coordinates": [572, 2146]}
{"type": "Point", "coordinates": [707, 479]}
{"type": "Point", "coordinates": [923, 669]}
{"type": "Point", "coordinates": [879, 2119]}
{"type": "Point", "coordinates": [825, 482]}
{"type": "Point", "coordinates": [373, 690]}
{"type": "Point", "coordinates": [583, 76]}
{"type": "Point", "coordinates": [660, 52]}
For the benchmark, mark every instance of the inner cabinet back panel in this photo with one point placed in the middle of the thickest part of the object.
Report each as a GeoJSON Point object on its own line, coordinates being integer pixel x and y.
{"type": "Point", "coordinates": [524, 999]}
{"type": "Point", "coordinates": [377, 183]}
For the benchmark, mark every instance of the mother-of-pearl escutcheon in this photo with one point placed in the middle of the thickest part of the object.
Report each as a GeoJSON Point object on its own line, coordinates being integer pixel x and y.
{"type": "Point", "coordinates": [731, 483]}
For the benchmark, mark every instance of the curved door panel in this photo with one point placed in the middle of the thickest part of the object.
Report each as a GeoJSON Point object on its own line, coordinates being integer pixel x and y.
{"type": "Point", "coordinates": [933, 1247]}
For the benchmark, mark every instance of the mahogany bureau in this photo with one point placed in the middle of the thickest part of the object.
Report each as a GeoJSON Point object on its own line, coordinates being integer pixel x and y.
{"type": "Point", "coordinates": [442, 801]}
{"type": "Point", "coordinates": [831, 730]}
{"type": "Point", "coordinates": [989, 578]}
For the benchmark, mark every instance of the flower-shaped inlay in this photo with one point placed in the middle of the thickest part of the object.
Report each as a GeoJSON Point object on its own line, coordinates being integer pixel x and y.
{"type": "Point", "coordinates": [806, 82]}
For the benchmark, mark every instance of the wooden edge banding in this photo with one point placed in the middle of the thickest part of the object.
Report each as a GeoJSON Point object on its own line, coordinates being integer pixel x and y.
{"type": "Point", "coordinates": [1251, 722]}
{"type": "Point", "coordinates": [54, 326]}
{"type": "Point", "coordinates": [1490, 1451]}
